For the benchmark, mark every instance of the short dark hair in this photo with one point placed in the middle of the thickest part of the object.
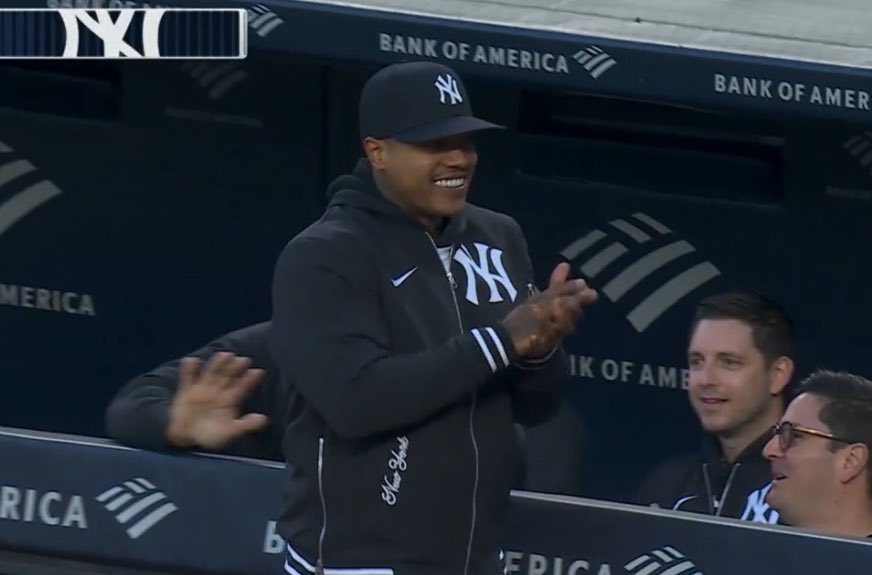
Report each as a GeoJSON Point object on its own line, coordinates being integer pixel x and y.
{"type": "Point", "coordinates": [847, 407]}
{"type": "Point", "coordinates": [771, 327]}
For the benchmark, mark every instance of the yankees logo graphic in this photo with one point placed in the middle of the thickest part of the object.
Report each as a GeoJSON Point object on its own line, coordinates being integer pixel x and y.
{"type": "Point", "coordinates": [488, 265]}
{"type": "Point", "coordinates": [447, 86]}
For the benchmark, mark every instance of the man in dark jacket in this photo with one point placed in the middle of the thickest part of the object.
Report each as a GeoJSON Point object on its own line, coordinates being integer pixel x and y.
{"type": "Point", "coordinates": [225, 397]}
{"type": "Point", "coordinates": [741, 360]}
{"type": "Point", "coordinates": [410, 325]}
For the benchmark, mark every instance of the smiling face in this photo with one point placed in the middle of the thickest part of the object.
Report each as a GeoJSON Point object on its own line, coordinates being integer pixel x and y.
{"type": "Point", "coordinates": [813, 476]}
{"type": "Point", "coordinates": [731, 387]}
{"type": "Point", "coordinates": [429, 181]}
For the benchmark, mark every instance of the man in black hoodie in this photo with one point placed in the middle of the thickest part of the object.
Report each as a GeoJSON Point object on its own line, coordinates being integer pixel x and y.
{"type": "Point", "coordinates": [741, 360]}
{"type": "Point", "coordinates": [410, 325]}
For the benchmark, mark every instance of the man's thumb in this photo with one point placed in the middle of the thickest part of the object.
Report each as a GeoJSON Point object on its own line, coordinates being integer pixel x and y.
{"type": "Point", "coordinates": [559, 275]}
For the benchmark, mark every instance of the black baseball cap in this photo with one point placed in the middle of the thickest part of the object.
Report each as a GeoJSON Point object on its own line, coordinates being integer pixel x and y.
{"type": "Point", "coordinates": [417, 102]}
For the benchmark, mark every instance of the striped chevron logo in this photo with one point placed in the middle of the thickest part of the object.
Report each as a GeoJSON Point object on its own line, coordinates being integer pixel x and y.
{"type": "Point", "coordinates": [625, 259]}
{"type": "Point", "coordinates": [664, 561]}
{"type": "Point", "coordinates": [263, 20]}
{"type": "Point", "coordinates": [860, 148]}
{"type": "Point", "coordinates": [136, 504]}
{"type": "Point", "coordinates": [594, 60]}
{"type": "Point", "coordinates": [217, 79]}
{"type": "Point", "coordinates": [15, 173]}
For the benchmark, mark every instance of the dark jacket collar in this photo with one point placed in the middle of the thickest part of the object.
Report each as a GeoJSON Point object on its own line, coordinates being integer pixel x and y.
{"type": "Point", "coordinates": [713, 454]}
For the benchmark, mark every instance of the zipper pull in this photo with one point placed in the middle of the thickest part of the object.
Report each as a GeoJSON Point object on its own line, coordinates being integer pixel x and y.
{"type": "Point", "coordinates": [531, 290]}
{"type": "Point", "coordinates": [448, 270]}
{"type": "Point", "coordinates": [319, 567]}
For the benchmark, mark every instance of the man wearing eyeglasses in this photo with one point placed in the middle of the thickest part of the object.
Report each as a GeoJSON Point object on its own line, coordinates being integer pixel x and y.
{"type": "Point", "coordinates": [741, 360]}
{"type": "Point", "coordinates": [819, 452]}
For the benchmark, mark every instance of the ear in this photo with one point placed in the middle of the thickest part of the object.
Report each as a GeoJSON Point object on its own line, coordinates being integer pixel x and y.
{"type": "Point", "coordinates": [377, 152]}
{"type": "Point", "coordinates": [853, 462]}
{"type": "Point", "coordinates": [780, 374]}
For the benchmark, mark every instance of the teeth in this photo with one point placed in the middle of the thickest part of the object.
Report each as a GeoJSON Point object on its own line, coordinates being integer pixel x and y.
{"type": "Point", "coordinates": [452, 183]}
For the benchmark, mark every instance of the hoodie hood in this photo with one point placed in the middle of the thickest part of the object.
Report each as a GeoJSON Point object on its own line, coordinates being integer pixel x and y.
{"type": "Point", "coordinates": [359, 191]}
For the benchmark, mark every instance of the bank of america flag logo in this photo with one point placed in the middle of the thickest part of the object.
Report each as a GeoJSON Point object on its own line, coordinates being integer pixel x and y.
{"type": "Point", "coordinates": [137, 505]}
{"type": "Point", "coordinates": [664, 561]}
{"type": "Point", "coordinates": [593, 59]}
{"type": "Point", "coordinates": [216, 80]}
{"type": "Point", "coordinates": [263, 20]}
{"type": "Point", "coordinates": [22, 189]}
{"type": "Point", "coordinates": [860, 148]}
{"type": "Point", "coordinates": [639, 260]}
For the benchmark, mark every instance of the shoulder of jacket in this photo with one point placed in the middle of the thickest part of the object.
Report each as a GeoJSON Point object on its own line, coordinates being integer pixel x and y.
{"type": "Point", "coordinates": [485, 216]}
{"type": "Point", "coordinates": [252, 342]}
{"type": "Point", "coordinates": [333, 236]}
{"type": "Point", "coordinates": [335, 245]}
{"type": "Point", "coordinates": [332, 226]}
{"type": "Point", "coordinates": [670, 479]}
{"type": "Point", "coordinates": [679, 465]}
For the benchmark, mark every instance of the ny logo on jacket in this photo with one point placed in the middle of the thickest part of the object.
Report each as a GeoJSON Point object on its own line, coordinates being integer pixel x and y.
{"type": "Point", "coordinates": [487, 264]}
{"type": "Point", "coordinates": [756, 508]}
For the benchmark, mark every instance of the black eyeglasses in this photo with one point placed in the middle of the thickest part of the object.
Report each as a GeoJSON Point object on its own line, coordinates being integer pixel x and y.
{"type": "Point", "coordinates": [787, 430]}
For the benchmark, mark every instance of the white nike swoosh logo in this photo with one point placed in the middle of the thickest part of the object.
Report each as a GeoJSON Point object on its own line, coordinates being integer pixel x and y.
{"type": "Point", "coordinates": [398, 280]}
{"type": "Point", "coordinates": [682, 501]}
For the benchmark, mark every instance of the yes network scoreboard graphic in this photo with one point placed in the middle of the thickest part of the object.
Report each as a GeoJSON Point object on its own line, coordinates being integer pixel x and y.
{"type": "Point", "coordinates": [130, 33]}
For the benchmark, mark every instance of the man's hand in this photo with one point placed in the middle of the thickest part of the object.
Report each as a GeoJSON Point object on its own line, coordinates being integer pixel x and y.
{"type": "Point", "coordinates": [547, 317]}
{"type": "Point", "coordinates": [205, 410]}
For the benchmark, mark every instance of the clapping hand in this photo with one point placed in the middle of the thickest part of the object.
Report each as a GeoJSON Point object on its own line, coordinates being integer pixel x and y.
{"type": "Point", "coordinates": [547, 317]}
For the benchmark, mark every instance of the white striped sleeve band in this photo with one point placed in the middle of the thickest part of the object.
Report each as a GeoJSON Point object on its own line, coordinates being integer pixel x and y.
{"type": "Point", "coordinates": [296, 564]}
{"type": "Point", "coordinates": [491, 347]}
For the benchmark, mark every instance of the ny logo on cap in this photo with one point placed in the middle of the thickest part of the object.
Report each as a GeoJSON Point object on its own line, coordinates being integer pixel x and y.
{"type": "Point", "coordinates": [447, 87]}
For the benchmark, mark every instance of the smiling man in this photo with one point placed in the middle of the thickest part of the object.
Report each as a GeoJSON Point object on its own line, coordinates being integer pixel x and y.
{"type": "Point", "coordinates": [741, 359]}
{"type": "Point", "coordinates": [821, 465]}
{"type": "Point", "coordinates": [409, 324]}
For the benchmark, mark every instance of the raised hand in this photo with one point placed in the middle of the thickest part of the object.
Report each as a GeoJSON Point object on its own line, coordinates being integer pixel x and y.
{"type": "Point", "coordinates": [547, 317]}
{"type": "Point", "coordinates": [205, 410]}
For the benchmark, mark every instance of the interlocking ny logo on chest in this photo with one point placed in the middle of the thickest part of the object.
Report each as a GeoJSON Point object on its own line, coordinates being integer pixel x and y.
{"type": "Point", "coordinates": [486, 265]}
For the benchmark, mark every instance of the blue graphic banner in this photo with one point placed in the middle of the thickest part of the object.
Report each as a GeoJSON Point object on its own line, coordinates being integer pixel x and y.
{"type": "Point", "coordinates": [136, 33]}
{"type": "Point", "coordinates": [587, 63]}
{"type": "Point", "coordinates": [77, 498]}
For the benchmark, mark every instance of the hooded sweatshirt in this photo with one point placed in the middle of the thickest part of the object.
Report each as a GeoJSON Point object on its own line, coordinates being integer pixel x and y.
{"type": "Point", "coordinates": [705, 482]}
{"type": "Point", "coordinates": [400, 438]}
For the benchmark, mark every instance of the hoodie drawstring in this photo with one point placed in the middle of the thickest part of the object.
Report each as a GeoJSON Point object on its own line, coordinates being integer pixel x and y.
{"type": "Point", "coordinates": [716, 506]}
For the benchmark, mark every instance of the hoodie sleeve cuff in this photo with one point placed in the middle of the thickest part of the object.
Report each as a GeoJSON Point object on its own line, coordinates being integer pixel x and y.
{"type": "Point", "coordinates": [495, 346]}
